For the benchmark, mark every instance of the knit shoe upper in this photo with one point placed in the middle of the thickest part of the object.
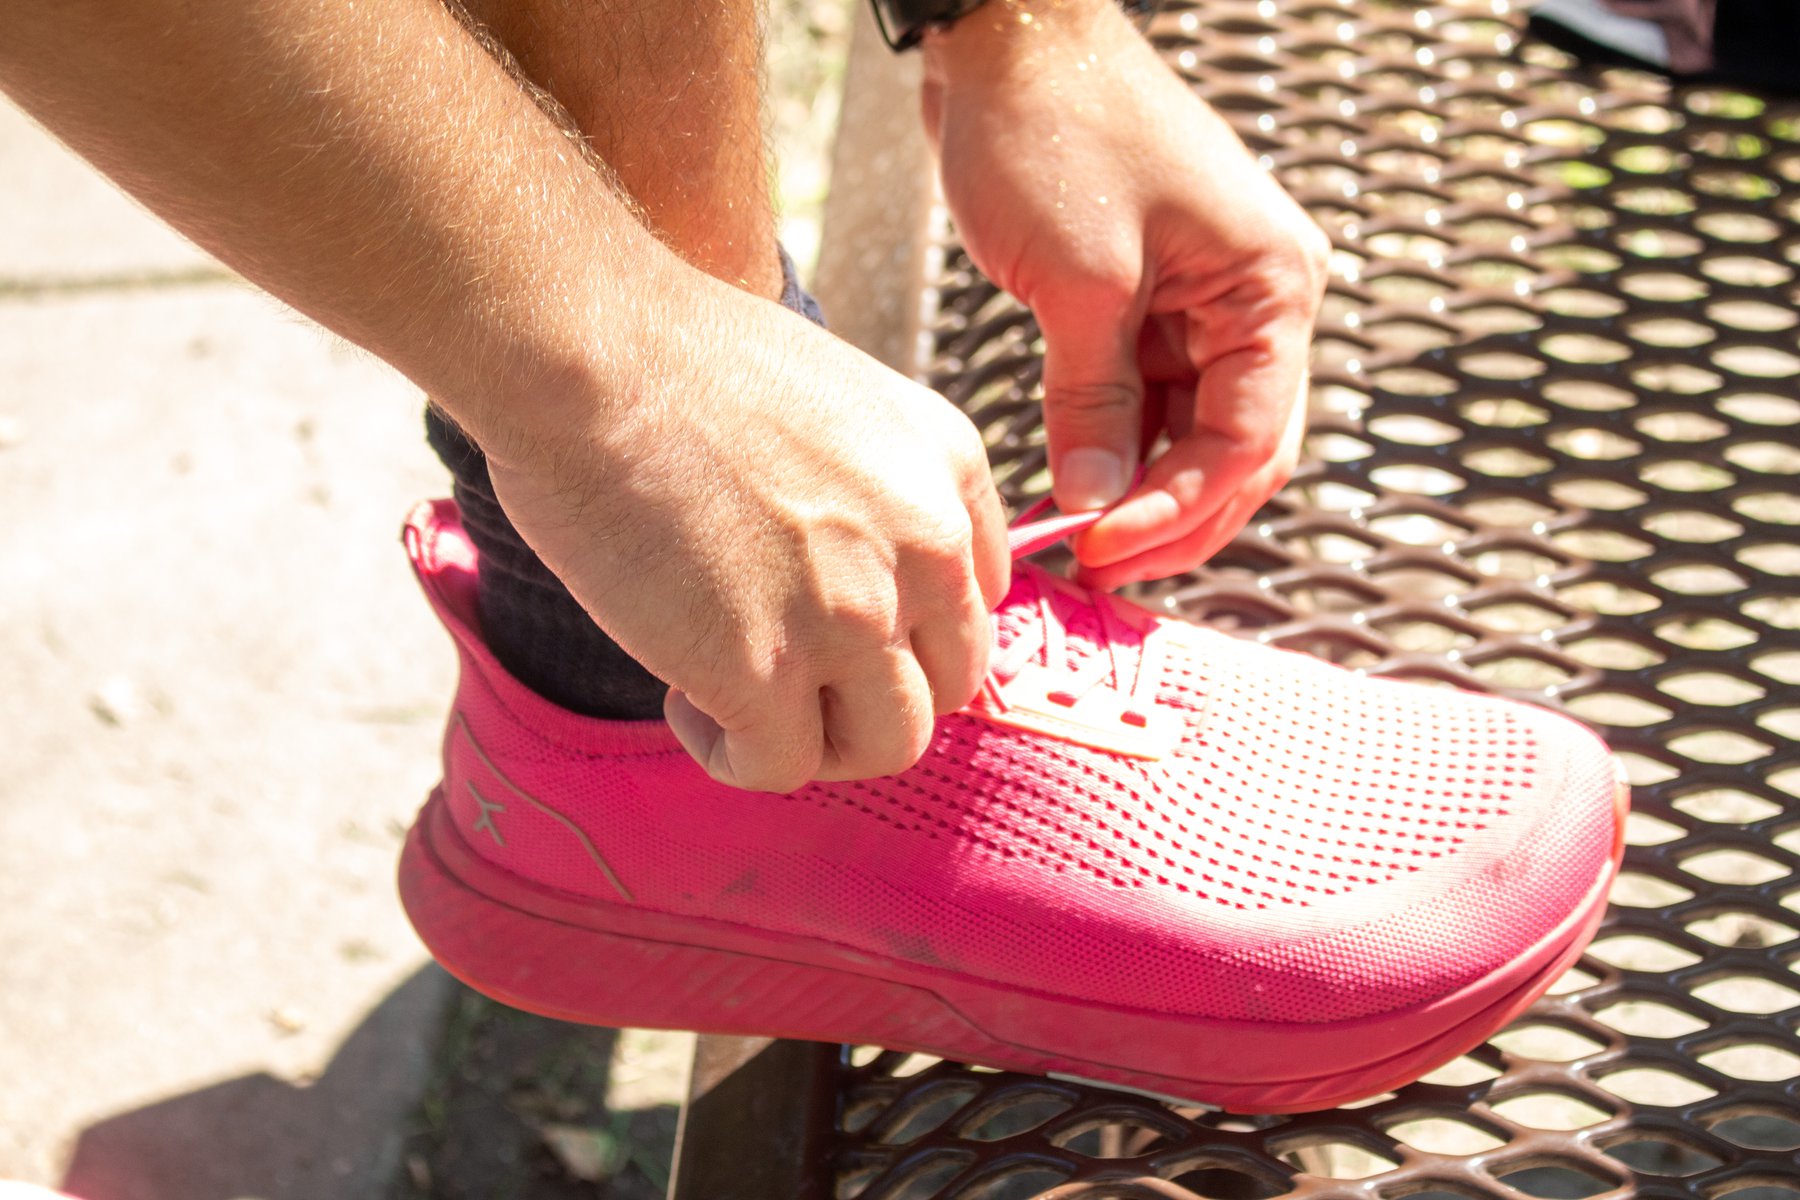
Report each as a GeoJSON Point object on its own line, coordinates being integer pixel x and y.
{"type": "Point", "coordinates": [1135, 813]}
{"type": "Point", "coordinates": [1145, 853]}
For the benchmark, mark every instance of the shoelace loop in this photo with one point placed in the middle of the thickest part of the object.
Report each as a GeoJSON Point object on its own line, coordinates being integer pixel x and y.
{"type": "Point", "coordinates": [1127, 654]}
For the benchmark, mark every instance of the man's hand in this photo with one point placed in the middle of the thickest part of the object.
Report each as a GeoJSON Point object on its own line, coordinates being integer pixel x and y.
{"type": "Point", "coordinates": [1175, 282]}
{"type": "Point", "coordinates": [804, 543]}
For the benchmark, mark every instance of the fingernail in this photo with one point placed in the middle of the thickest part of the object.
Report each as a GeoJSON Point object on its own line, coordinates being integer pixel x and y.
{"type": "Point", "coordinates": [1089, 478]}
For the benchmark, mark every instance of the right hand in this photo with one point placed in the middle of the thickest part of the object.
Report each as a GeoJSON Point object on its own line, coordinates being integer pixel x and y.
{"type": "Point", "coordinates": [803, 543]}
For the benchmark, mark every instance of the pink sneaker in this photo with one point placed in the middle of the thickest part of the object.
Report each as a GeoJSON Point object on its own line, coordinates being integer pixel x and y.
{"type": "Point", "coordinates": [1149, 855]}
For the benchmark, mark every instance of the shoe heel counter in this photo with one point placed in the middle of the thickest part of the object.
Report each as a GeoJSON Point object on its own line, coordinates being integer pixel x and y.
{"type": "Point", "coordinates": [448, 572]}
{"type": "Point", "coordinates": [503, 815]}
{"type": "Point", "coordinates": [510, 757]}
{"type": "Point", "coordinates": [447, 569]}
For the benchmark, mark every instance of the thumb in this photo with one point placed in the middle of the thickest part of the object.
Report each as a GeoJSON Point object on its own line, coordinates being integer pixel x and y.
{"type": "Point", "coordinates": [1093, 410]}
{"type": "Point", "coordinates": [780, 756]}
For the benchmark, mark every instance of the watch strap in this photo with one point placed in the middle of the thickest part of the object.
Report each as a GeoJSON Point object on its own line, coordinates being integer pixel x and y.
{"type": "Point", "coordinates": [903, 22]}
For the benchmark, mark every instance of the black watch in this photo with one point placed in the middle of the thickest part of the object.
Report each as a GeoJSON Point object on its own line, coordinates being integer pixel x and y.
{"type": "Point", "coordinates": [904, 22]}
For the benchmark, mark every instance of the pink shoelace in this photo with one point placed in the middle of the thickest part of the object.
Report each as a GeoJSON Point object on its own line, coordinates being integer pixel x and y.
{"type": "Point", "coordinates": [1129, 661]}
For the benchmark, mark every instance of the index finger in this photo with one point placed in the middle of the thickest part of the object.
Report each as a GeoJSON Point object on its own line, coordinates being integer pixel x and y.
{"type": "Point", "coordinates": [1241, 408]}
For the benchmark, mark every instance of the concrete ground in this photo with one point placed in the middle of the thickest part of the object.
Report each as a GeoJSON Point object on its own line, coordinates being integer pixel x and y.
{"type": "Point", "coordinates": [222, 704]}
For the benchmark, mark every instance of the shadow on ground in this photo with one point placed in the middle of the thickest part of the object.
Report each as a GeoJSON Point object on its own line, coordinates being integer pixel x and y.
{"type": "Point", "coordinates": [517, 1110]}
{"type": "Point", "coordinates": [258, 1136]}
{"type": "Point", "coordinates": [513, 1108]}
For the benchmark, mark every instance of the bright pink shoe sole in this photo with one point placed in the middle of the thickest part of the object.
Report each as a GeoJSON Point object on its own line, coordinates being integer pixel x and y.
{"type": "Point", "coordinates": [610, 964]}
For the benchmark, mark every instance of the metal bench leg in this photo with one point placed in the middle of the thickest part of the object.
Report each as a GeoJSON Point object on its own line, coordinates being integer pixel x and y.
{"type": "Point", "coordinates": [765, 1107]}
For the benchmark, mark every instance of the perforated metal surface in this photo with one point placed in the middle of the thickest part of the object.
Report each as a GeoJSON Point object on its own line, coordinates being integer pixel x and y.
{"type": "Point", "coordinates": [1553, 455]}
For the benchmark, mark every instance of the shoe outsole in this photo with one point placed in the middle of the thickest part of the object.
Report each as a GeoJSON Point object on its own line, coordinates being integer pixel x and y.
{"type": "Point", "coordinates": [611, 964]}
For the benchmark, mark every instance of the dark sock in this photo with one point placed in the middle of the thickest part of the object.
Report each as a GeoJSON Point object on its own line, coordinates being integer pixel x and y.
{"type": "Point", "coordinates": [531, 622]}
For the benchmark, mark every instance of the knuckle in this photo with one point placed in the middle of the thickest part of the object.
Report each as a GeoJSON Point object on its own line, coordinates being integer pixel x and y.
{"type": "Point", "coordinates": [859, 618]}
{"type": "Point", "coordinates": [728, 696]}
{"type": "Point", "coordinates": [1100, 398]}
{"type": "Point", "coordinates": [978, 500]}
{"type": "Point", "coordinates": [956, 440]}
{"type": "Point", "coordinates": [1305, 266]}
{"type": "Point", "coordinates": [1293, 295]}
{"type": "Point", "coordinates": [1272, 434]}
{"type": "Point", "coordinates": [970, 455]}
{"type": "Point", "coordinates": [942, 539]}
{"type": "Point", "coordinates": [845, 615]}
{"type": "Point", "coordinates": [949, 682]}
{"type": "Point", "coordinates": [1294, 271]}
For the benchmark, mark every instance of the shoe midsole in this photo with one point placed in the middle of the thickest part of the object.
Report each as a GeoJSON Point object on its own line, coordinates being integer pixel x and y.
{"type": "Point", "coordinates": [1173, 1046]}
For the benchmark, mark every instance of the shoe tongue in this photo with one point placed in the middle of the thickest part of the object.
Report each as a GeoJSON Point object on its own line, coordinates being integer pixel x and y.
{"type": "Point", "coordinates": [1018, 617]}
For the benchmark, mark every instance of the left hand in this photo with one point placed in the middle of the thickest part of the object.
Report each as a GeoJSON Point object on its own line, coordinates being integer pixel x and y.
{"type": "Point", "coordinates": [1175, 282]}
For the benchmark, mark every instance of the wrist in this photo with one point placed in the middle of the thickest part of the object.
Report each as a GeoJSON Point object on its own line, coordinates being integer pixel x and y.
{"type": "Point", "coordinates": [1005, 36]}
{"type": "Point", "coordinates": [574, 357]}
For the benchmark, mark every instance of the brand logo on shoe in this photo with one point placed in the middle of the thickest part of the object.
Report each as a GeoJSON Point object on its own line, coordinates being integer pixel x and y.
{"type": "Point", "coordinates": [486, 820]}
{"type": "Point", "coordinates": [460, 725]}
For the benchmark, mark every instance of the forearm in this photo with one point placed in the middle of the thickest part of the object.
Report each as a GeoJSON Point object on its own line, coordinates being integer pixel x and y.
{"type": "Point", "coordinates": [374, 167]}
{"type": "Point", "coordinates": [669, 94]}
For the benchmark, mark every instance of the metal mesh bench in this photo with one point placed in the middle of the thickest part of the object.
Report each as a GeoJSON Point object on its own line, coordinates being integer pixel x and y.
{"type": "Point", "coordinates": [1553, 454]}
